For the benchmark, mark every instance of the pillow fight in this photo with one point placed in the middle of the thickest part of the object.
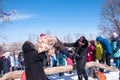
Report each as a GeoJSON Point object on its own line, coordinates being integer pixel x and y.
{"type": "Point", "coordinates": [51, 52]}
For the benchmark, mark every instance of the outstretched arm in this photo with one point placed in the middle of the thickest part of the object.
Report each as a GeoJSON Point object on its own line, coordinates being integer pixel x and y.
{"type": "Point", "coordinates": [70, 44]}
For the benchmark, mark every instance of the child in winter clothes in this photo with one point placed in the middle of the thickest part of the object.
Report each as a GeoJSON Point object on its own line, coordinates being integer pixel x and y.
{"type": "Point", "coordinates": [90, 56]}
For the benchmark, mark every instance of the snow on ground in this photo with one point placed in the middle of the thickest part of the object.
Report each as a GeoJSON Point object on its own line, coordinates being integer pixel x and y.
{"type": "Point", "coordinates": [73, 76]}
{"type": "Point", "coordinates": [112, 76]}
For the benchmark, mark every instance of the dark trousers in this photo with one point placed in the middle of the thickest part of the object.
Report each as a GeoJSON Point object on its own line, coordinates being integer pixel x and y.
{"type": "Point", "coordinates": [84, 74]}
{"type": "Point", "coordinates": [81, 70]}
{"type": "Point", "coordinates": [105, 59]}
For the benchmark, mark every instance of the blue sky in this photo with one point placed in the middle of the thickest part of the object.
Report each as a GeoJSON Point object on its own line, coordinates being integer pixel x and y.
{"type": "Point", "coordinates": [60, 17]}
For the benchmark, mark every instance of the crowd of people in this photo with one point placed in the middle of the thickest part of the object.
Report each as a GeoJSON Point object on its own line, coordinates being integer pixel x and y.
{"type": "Point", "coordinates": [78, 52]}
{"type": "Point", "coordinates": [12, 62]}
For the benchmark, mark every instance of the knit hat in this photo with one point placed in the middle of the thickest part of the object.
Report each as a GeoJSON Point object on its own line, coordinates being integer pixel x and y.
{"type": "Point", "coordinates": [42, 35]}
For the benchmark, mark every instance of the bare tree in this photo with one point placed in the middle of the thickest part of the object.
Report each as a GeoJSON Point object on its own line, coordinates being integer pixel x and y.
{"type": "Point", "coordinates": [90, 36]}
{"type": "Point", "coordinates": [33, 37]}
{"type": "Point", "coordinates": [110, 14]}
{"type": "Point", "coordinates": [1, 49]}
{"type": "Point", "coordinates": [71, 38]}
{"type": "Point", "coordinates": [68, 38]}
{"type": "Point", "coordinates": [15, 47]}
{"type": "Point", "coordinates": [11, 47]}
{"type": "Point", "coordinates": [4, 16]}
{"type": "Point", "coordinates": [78, 35]}
{"type": "Point", "coordinates": [48, 32]}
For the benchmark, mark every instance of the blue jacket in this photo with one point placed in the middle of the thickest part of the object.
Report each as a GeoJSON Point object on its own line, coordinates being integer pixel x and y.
{"type": "Point", "coordinates": [107, 48]}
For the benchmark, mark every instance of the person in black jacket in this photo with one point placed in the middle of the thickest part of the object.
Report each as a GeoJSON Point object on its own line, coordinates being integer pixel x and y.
{"type": "Point", "coordinates": [33, 66]}
{"type": "Point", "coordinates": [0, 66]}
{"type": "Point", "coordinates": [5, 65]}
{"type": "Point", "coordinates": [80, 54]}
{"type": "Point", "coordinates": [21, 60]}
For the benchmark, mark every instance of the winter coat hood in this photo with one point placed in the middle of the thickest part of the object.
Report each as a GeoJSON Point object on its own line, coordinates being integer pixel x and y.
{"type": "Point", "coordinates": [28, 46]}
{"type": "Point", "coordinates": [105, 44]}
{"type": "Point", "coordinates": [99, 39]}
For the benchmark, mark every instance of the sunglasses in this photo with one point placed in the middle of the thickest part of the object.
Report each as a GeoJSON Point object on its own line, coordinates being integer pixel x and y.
{"type": "Point", "coordinates": [82, 40]}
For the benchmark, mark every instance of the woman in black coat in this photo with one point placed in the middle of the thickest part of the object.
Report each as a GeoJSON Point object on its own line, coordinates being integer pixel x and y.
{"type": "Point", "coordinates": [80, 54]}
{"type": "Point", "coordinates": [33, 66]}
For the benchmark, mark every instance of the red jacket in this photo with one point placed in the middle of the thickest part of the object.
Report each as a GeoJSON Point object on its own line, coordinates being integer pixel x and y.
{"type": "Point", "coordinates": [90, 55]}
{"type": "Point", "coordinates": [69, 61]}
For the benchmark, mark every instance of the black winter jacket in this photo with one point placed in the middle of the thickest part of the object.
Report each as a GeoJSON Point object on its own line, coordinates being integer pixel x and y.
{"type": "Point", "coordinates": [80, 52]}
{"type": "Point", "coordinates": [33, 66]}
